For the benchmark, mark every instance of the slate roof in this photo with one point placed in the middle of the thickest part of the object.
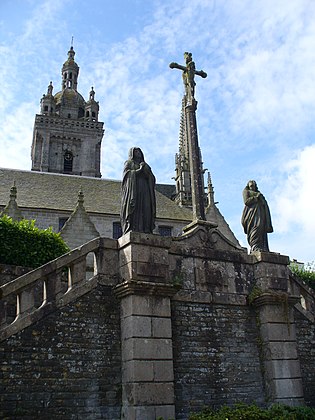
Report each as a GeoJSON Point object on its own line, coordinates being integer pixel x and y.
{"type": "Point", "coordinates": [44, 190]}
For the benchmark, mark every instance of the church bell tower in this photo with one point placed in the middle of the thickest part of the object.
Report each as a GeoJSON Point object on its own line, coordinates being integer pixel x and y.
{"type": "Point", "coordinates": [67, 135]}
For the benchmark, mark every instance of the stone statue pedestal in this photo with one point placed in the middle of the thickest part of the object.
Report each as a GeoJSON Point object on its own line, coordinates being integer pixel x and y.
{"type": "Point", "coordinates": [146, 329]}
{"type": "Point", "coordinates": [274, 306]}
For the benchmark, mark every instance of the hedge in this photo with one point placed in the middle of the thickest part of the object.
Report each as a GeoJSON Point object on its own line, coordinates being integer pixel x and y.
{"type": "Point", "coordinates": [22, 243]}
{"type": "Point", "coordinates": [251, 412]}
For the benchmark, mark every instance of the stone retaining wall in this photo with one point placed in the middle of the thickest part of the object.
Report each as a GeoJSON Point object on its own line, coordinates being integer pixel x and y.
{"type": "Point", "coordinates": [162, 328]}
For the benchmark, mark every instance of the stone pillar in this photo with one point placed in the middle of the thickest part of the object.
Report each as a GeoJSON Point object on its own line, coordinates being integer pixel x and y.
{"type": "Point", "coordinates": [146, 330]}
{"type": "Point", "coordinates": [275, 319]}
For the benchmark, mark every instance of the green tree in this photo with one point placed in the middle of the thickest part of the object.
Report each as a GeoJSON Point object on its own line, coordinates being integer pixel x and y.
{"type": "Point", "coordinates": [305, 273]}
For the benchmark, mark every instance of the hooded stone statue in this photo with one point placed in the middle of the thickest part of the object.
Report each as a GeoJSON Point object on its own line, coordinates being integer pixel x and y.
{"type": "Point", "coordinates": [256, 219]}
{"type": "Point", "coordinates": [138, 208]}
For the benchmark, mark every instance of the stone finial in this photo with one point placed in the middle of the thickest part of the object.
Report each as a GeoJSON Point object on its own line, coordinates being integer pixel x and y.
{"type": "Point", "coordinates": [50, 88]}
{"type": "Point", "coordinates": [12, 209]}
{"type": "Point", "coordinates": [13, 192]}
{"type": "Point", "coordinates": [80, 196]}
{"type": "Point", "coordinates": [92, 94]}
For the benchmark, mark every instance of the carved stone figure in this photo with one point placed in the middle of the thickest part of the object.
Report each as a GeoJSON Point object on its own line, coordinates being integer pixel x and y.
{"type": "Point", "coordinates": [189, 72]}
{"type": "Point", "coordinates": [138, 208]}
{"type": "Point", "coordinates": [256, 219]}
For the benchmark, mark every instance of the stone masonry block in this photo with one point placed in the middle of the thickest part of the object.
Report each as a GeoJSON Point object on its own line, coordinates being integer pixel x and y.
{"type": "Point", "coordinates": [148, 271]}
{"type": "Point", "coordinates": [138, 371]}
{"type": "Point", "coordinates": [282, 369]}
{"type": "Point", "coordinates": [149, 412]}
{"type": "Point", "coordinates": [165, 411]}
{"type": "Point", "coordinates": [145, 305]}
{"type": "Point", "coordinates": [149, 394]}
{"type": "Point", "coordinates": [278, 332]}
{"type": "Point", "coordinates": [143, 253]}
{"type": "Point", "coordinates": [272, 283]}
{"type": "Point", "coordinates": [267, 270]}
{"type": "Point", "coordinates": [136, 326]}
{"type": "Point", "coordinates": [147, 349]}
{"type": "Point", "coordinates": [276, 313]}
{"type": "Point", "coordinates": [163, 370]}
{"type": "Point", "coordinates": [288, 388]}
{"type": "Point", "coordinates": [128, 271]}
{"type": "Point", "coordinates": [138, 413]}
{"type": "Point", "coordinates": [161, 327]}
{"type": "Point", "coordinates": [281, 350]}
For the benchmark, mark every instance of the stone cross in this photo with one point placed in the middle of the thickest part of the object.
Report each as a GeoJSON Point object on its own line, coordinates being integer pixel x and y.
{"type": "Point", "coordinates": [189, 72]}
{"type": "Point", "coordinates": [197, 192]}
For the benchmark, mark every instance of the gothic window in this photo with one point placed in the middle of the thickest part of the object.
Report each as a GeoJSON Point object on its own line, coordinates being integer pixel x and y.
{"type": "Point", "coordinates": [67, 162]}
{"type": "Point", "coordinates": [93, 115]}
{"type": "Point", "coordinates": [117, 231]}
{"type": "Point", "coordinates": [87, 114]}
{"type": "Point", "coordinates": [46, 108]}
{"type": "Point", "coordinates": [165, 230]}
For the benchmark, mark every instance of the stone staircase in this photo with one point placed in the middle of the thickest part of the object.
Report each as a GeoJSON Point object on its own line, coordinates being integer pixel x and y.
{"type": "Point", "coordinates": [33, 295]}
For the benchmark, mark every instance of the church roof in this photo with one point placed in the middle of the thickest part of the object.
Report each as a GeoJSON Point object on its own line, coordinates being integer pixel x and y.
{"type": "Point", "coordinates": [60, 192]}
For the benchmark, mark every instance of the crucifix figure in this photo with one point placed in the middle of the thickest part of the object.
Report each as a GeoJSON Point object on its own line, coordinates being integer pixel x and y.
{"type": "Point", "coordinates": [196, 174]}
{"type": "Point", "coordinates": [189, 72]}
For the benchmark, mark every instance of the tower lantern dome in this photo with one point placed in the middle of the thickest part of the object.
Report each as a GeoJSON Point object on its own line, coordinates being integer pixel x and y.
{"type": "Point", "coordinates": [70, 72]}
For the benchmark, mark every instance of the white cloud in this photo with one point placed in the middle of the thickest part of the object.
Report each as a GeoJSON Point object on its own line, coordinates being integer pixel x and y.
{"type": "Point", "coordinates": [295, 198]}
{"type": "Point", "coordinates": [294, 207]}
{"type": "Point", "coordinates": [16, 137]}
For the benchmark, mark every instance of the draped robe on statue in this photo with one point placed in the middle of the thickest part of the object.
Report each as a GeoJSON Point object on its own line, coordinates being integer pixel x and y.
{"type": "Point", "coordinates": [138, 207]}
{"type": "Point", "coordinates": [256, 219]}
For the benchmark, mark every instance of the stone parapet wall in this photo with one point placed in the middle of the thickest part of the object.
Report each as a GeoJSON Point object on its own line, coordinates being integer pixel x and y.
{"type": "Point", "coordinates": [42, 122]}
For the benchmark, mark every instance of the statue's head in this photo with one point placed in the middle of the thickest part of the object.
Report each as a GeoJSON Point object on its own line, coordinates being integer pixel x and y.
{"type": "Point", "coordinates": [136, 154]}
{"type": "Point", "coordinates": [188, 57]}
{"type": "Point", "coordinates": [252, 185]}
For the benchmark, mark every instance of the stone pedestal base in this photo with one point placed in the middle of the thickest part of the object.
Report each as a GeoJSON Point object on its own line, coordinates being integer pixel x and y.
{"type": "Point", "coordinates": [146, 329]}
{"type": "Point", "coordinates": [278, 348]}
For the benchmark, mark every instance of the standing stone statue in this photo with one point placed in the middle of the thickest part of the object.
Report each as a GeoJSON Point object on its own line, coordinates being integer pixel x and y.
{"type": "Point", "coordinates": [256, 219]}
{"type": "Point", "coordinates": [138, 208]}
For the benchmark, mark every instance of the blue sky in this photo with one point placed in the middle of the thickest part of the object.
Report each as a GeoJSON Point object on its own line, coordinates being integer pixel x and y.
{"type": "Point", "coordinates": [256, 108]}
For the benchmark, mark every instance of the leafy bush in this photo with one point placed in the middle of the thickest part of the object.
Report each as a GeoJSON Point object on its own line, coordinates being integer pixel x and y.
{"type": "Point", "coordinates": [306, 273]}
{"type": "Point", "coordinates": [253, 412]}
{"type": "Point", "coordinates": [22, 243]}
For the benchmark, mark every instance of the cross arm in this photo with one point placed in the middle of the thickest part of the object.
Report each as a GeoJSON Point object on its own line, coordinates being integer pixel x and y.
{"type": "Point", "coordinates": [201, 73]}
{"type": "Point", "coordinates": [177, 66]}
